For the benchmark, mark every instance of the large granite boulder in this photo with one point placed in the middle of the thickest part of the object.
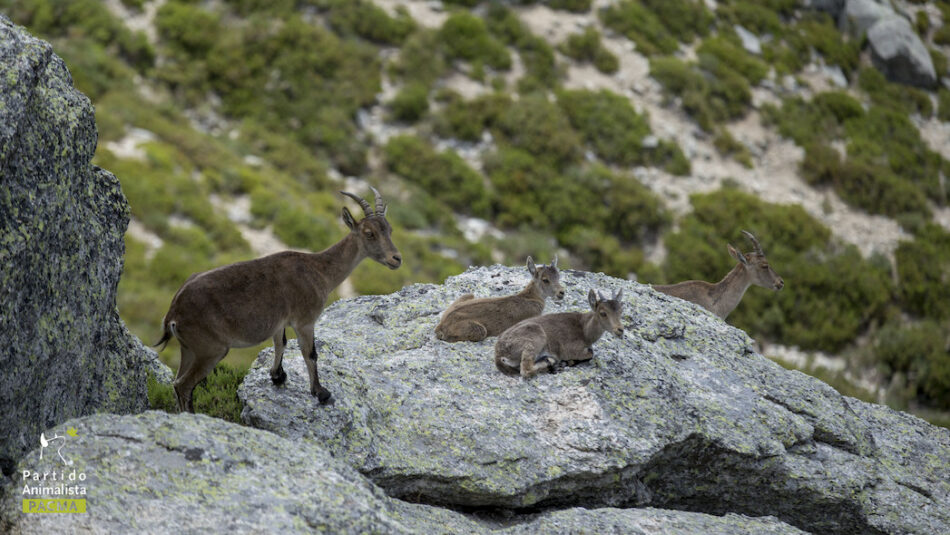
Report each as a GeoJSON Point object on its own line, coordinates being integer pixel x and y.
{"type": "Point", "coordinates": [859, 15]}
{"type": "Point", "coordinates": [681, 414]}
{"type": "Point", "coordinates": [65, 350]}
{"type": "Point", "coordinates": [159, 473]}
{"type": "Point", "coordinates": [898, 52]}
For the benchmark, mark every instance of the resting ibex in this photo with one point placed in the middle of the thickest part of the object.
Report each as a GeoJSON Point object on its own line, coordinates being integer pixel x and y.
{"type": "Point", "coordinates": [243, 304]}
{"type": "Point", "coordinates": [721, 298]}
{"type": "Point", "coordinates": [474, 320]}
{"type": "Point", "coordinates": [538, 343]}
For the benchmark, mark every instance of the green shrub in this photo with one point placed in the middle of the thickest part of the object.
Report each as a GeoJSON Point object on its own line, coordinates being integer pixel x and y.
{"type": "Point", "coordinates": [191, 28]}
{"type": "Point", "coordinates": [465, 37]}
{"type": "Point", "coordinates": [820, 120]}
{"type": "Point", "coordinates": [608, 123]}
{"type": "Point", "coordinates": [588, 47]}
{"type": "Point", "coordinates": [215, 396]}
{"type": "Point", "coordinates": [711, 92]}
{"type": "Point", "coordinates": [942, 35]}
{"type": "Point", "coordinates": [541, 128]}
{"type": "Point", "coordinates": [519, 180]}
{"type": "Point", "coordinates": [752, 16]}
{"type": "Point", "coordinates": [895, 96]}
{"type": "Point", "coordinates": [919, 353]}
{"type": "Point", "coordinates": [423, 261]}
{"type": "Point", "coordinates": [657, 26]}
{"type": "Point", "coordinates": [819, 32]}
{"type": "Point", "coordinates": [733, 56]}
{"type": "Point", "coordinates": [576, 6]}
{"type": "Point", "coordinates": [365, 19]}
{"type": "Point", "coordinates": [467, 119]}
{"type": "Point", "coordinates": [923, 269]}
{"type": "Point", "coordinates": [541, 71]}
{"type": "Point", "coordinates": [420, 59]}
{"type": "Point", "coordinates": [821, 164]}
{"type": "Point", "coordinates": [943, 103]}
{"type": "Point", "coordinates": [445, 175]}
{"type": "Point", "coordinates": [940, 63]}
{"type": "Point", "coordinates": [410, 104]}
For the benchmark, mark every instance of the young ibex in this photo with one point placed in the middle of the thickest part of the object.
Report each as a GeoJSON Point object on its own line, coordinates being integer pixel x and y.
{"type": "Point", "coordinates": [474, 320]}
{"type": "Point", "coordinates": [537, 344]}
{"type": "Point", "coordinates": [721, 298]}
{"type": "Point", "coordinates": [243, 304]}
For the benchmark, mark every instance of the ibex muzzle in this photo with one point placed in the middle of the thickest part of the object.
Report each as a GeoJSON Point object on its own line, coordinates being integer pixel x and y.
{"type": "Point", "coordinates": [243, 304]}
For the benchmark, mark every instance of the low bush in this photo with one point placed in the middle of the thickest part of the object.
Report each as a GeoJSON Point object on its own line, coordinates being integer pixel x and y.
{"type": "Point", "coordinates": [588, 47]}
{"type": "Point", "coordinates": [465, 36]}
{"type": "Point", "coordinates": [608, 123]}
{"type": "Point", "coordinates": [729, 146]}
{"type": "Point", "coordinates": [541, 128]}
{"type": "Point", "coordinates": [215, 396]}
{"type": "Point", "coordinates": [943, 103]}
{"type": "Point", "coordinates": [468, 119]}
{"type": "Point", "coordinates": [445, 175]}
{"type": "Point", "coordinates": [410, 103]}
{"type": "Point", "coordinates": [658, 26]}
{"type": "Point", "coordinates": [923, 271]}
{"type": "Point", "coordinates": [367, 20]}
{"type": "Point", "coordinates": [898, 97]}
{"type": "Point", "coordinates": [710, 93]}
{"type": "Point", "coordinates": [918, 353]}
{"type": "Point", "coordinates": [732, 55]}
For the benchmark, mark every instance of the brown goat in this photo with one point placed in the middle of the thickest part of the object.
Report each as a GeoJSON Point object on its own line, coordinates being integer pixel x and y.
{"type": "Point", "coordinates": [473, 320]}
{"type": "Point", "coordinates": [539, 343]}
{"type": "Point", "coordinates": [723, 297]}
{"type": "Point", "coordinates": [245, 303]}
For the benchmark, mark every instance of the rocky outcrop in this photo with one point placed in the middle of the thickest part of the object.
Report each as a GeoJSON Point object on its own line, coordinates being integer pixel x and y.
{"type": "Point", "coordinates": [65, 351]}
{"type": "Point", "coordinates": [158, 473]}
{"type": "Point", "coordinates": [681, 414]}
{"type": "Point", "coordinates": [896, 49]}
{"type": "Point", "coordinates": [898, 52]}
{"type": "Point", "coordinates": [859, 16]}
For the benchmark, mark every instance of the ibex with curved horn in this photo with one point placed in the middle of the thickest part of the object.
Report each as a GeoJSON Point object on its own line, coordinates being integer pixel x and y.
{"type": "Point", "coordinates": [245, 303]}
{"type": "Point", "coordinates": [723, 297]}
{"type": "Point", "coordinates": [473, 320]}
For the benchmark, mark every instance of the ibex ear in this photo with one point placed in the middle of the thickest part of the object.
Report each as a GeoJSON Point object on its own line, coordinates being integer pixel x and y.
{"type": "Point", "coordinates": [592, 298]}
{"type": "Point", "coordinates": [532, 269]}
{"type": "Point", "coordinates": [737, 255]}
{"type": "Point", "coordinates": [619, 295]}
{"type": "Point", "coordinates": [348, 218]}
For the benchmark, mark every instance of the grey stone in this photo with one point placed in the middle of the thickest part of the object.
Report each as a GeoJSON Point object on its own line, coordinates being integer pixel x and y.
{"type": "Point", "coordinates": [65, 350]}
{"type": "Point", "coordinates": [898, 52]}
{"type": "Point", "coordinates": [681, 414]}
{"type": "Point", "coordinates": [750, 42]}
{"type": "Point", "coordinates": [859, 15]}
{"type": "Point", "coordinates": [835, 75]}
{"type": "Point", "coordinates": [650, 142]}
{"type": "Point", "coordinates": [160, 473]}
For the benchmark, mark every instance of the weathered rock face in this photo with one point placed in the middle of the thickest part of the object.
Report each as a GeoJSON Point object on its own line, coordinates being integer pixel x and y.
{"type": "Point", "coordinates": [898, 52]}
{"type": "Point", "coordinates": [159, 473]}
{"type": "Point", "coordinates": [65, 351]}
{"type": "Point", "coordinates": [681, 414]}
{"type": "Point", "coordinates": [859, 15]}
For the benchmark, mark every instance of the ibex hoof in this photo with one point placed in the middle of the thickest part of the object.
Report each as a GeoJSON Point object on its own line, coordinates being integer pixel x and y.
{"type": "Point", "coordinates": [323, 396]}
{"type": "Point", "coordinates": [280, 377]}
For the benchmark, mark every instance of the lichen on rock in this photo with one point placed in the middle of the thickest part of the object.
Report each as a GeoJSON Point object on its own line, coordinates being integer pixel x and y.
{"type": "Point", "coordinates": [65, 351]}
{"type": "Point", "coordinates": [160, 473]}
{"type": "Point", "coordinates": [681, 414]}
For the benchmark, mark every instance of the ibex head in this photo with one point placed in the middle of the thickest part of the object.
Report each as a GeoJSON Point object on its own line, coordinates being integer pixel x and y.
{"type": "Point", "coordinates": [548, 278]}
{"type": "Point", "coordinates": [607, 310]}
{"type": "Point", "coordinates": [757, 265]}
{"type": "Point", "coordinates": [374, 232]}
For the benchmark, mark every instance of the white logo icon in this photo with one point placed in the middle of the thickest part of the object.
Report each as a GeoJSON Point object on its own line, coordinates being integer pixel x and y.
{"type": "Point", "coordinates": [45, 443]}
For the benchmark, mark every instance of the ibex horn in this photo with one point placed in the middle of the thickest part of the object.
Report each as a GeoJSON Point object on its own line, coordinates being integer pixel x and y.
{"type": "Point", "coordinates": [554, 262]}
{"type": "Point", "coordinates": [367, 210]}
{"type": "Point", "coordinates": [755, 242]}
{"type": "Point", "coordinates": [380, 205]}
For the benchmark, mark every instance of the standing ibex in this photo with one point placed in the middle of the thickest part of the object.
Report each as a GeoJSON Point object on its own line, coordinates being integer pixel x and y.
{"type": "Point", "coordinates": [474, 320]}
{"type": "Point", "coordinates": [243, 304]}
{"type": "Point", "coordinates": [538, 343]}
{"type": "Point", "coordinates": [721, 298]}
